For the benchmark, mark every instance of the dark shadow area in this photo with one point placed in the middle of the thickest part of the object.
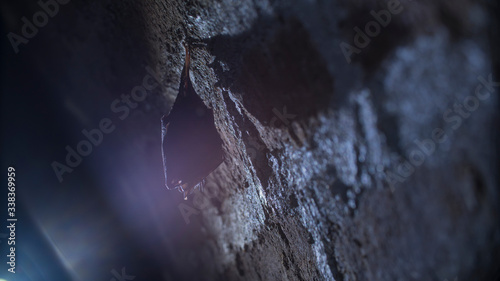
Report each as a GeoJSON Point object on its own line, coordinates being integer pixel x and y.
{"type": "Point", "coordinates": [269, 73]}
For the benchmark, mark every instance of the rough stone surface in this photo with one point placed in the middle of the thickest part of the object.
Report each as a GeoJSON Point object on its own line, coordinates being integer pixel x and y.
{"type": "Point", "coordinates": [311, 198]}
{"type": "Point", "coordinates": [325, 177]}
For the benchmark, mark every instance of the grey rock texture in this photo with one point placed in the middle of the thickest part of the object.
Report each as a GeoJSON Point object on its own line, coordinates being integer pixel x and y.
{"type": "Point", "coordinates": [333, 170]}
{"type": "Point", "coordinates": [329, 193]}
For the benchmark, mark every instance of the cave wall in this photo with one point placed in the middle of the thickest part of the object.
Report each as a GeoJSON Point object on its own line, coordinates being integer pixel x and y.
{"type": "Point", "coordinates": [381, 164]}
{"type": "Point", "coordinates": [381, 168]}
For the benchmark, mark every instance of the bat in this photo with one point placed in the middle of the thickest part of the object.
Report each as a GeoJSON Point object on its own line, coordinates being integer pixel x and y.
{"type": "Point", "coordinates": [191, 144]}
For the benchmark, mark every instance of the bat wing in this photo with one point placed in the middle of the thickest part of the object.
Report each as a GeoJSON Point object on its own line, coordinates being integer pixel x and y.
{"type": "Point", "coordinates": [165, 122]}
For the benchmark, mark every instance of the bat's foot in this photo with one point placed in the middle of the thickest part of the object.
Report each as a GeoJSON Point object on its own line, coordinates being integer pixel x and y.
{"type": "Point", "coordinates": [187, 189]}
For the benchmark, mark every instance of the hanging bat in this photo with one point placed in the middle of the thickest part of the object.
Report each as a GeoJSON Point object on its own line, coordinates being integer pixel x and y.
{"type": "Point", "coordinates": [191, 145]}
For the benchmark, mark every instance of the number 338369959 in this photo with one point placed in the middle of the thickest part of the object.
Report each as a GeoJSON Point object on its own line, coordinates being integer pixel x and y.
{"type": "Point", "coordinates": [12, 189]}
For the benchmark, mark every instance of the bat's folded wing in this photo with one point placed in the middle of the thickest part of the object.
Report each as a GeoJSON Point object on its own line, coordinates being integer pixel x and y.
{"type": "Point", "coordinates": [164, 126]}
